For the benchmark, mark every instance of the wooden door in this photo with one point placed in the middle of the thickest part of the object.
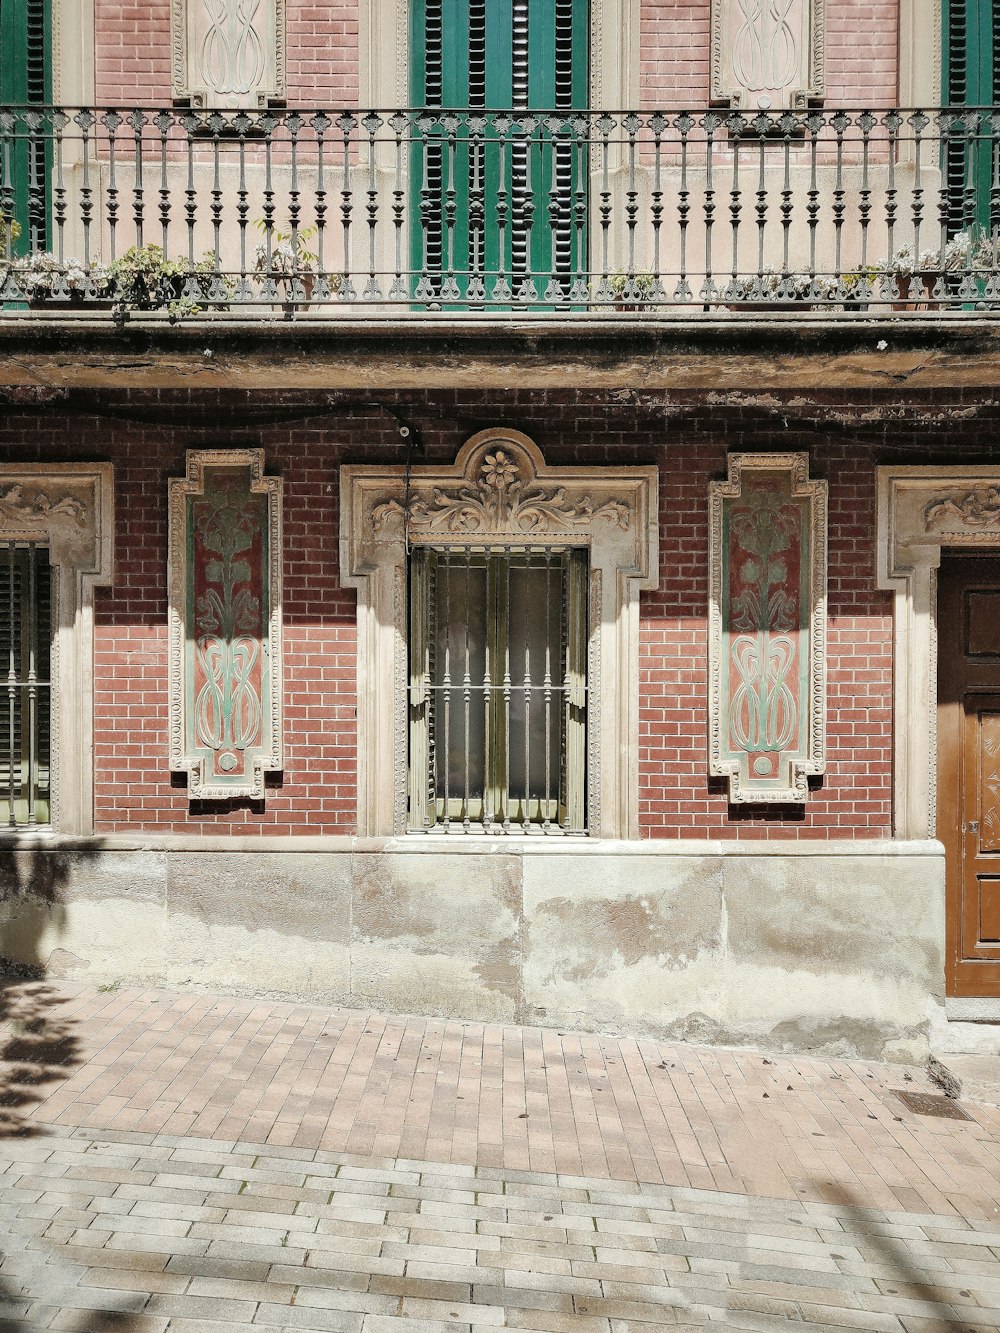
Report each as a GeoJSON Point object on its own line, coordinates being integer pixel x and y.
{"type": "Point", "coordinates": [969, 769]}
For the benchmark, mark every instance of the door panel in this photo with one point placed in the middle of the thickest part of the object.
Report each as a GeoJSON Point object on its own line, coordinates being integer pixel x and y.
{"type": "Point", "coordinates": [969, 769]}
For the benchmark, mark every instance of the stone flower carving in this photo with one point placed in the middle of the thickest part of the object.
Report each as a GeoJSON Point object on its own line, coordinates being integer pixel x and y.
{"type": "Point", "coordinates": [502, 500]}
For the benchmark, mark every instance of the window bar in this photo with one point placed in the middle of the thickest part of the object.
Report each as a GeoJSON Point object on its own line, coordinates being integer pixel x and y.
{"type": "Point", "coordinates": [505, 784]}
{"type": "Point", "coordinates": [8, 201]}
{"type": "Point", "coordinates": [446, 689]}
{"type": "Point", "coordinates": [547, 691]}
{"type": "Point", "coordinates": [429, 615]}
{"type": "Point", "coordinates": [466, 705]}
{"type": "Point", "coordinates": [488, 665]}
{"type": "Point", "coordinates": [32, 628]}
{"type": "Point", "coordinates": [526, 799]}
{"type": "Point", "coordinates": [11, 683]}
{"type": "Point", "coordinates": [631, 127]}
{"type": "Point", "coordinates": [658, 124]}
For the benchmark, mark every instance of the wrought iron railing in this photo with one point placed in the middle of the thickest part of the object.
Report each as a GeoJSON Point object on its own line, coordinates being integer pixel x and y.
{"type": "Point", "coordinates": [306, 212]}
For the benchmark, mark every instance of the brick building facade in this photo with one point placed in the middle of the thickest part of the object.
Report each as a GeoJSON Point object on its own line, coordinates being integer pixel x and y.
{"type": "Point", "coordinates": [745, 840]}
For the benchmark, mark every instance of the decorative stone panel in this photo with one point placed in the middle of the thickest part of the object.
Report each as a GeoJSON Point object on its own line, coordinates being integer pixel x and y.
{"type": "Point", "coordinates": [768, 56]}
{"type": "Point", "coordinates": [68, 507]}
{"type": "Point", "coordinates": [224, 591]}
{"type": "Point", "coordinates": [228, 53]}
{"type": "Point", "coordinates": [767, 627]}
{"type": "Point", "coordinates": [500, 492]}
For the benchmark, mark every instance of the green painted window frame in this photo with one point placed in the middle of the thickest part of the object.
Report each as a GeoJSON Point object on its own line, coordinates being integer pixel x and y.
{"type": "Point", "coordinates": [25, 158]}
{"type": "Point", "coordinates": [494, 808]}
{"type": "Point", "coordinates": [455, 94]}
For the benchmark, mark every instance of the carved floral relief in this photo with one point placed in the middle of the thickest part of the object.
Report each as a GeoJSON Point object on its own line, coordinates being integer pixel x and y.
{"type": "Point", "coordinates": [767, 618]}
{"type": "Point", "coordinates": [225, 624]}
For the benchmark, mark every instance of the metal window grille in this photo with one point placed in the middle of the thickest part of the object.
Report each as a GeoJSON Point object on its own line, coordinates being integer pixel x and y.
{"type": "Point", "coordinates": [498, 690]}
{"type": "Point", "coordinates": [25, 684]}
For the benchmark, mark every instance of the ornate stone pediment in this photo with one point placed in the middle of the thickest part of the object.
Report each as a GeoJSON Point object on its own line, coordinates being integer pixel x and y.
{"type": "Point", "coordinates": [501, 497]}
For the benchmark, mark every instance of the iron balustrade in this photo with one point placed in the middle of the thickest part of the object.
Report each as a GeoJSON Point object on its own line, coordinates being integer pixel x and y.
{"type": "Point", "coordinates": [420, 212]}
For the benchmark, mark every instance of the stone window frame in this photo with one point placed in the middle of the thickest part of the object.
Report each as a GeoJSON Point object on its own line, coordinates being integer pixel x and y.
{"type": "Point", "coordinates": [611, 510]}
{"type": "Point", "coordinates": [923, 510]}
{"type": "Point", "coordinates": [68, 507]}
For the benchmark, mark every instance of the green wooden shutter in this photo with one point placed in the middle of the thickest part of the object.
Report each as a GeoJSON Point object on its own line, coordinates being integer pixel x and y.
{"type": "Point", "coordinates": [971, 77]}
{"type": "Point", "coordinates": [495, 55]}
{"type": "Point", "coordinates": [25, 155]}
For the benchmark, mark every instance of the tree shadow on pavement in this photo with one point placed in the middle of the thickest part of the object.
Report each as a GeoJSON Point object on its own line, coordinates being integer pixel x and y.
{"type": "Point", "coordinates": [38, 1043]}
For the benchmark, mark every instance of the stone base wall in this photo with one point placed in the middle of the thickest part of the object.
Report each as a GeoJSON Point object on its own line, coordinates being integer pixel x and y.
{"type": "Point", "coordinates": [833, 948]}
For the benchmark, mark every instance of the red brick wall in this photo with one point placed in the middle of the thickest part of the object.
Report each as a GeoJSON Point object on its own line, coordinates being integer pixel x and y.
{"type": "Point", "coordinates": [687, 438]}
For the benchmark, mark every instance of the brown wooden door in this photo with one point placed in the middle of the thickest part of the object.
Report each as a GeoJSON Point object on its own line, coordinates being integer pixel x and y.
{"type": "Point", "coordinates": [969, 769]}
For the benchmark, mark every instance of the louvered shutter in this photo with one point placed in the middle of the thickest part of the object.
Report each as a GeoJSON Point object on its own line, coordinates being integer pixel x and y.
{"type": "Point", "coordinates": [25, 79]}
{"type": "Point", "coordinates": [971, 73]}
{"type": "Point", "coordinates": [497, 55]}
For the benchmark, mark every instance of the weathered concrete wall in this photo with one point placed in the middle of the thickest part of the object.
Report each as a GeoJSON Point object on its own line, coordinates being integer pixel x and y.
{"type": "Point", "coordinates": [833, 947]}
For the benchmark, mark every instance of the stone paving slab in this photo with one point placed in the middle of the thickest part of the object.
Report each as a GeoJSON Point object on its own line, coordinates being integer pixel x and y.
{"type": "Point", "coordinates": [128, 1211]}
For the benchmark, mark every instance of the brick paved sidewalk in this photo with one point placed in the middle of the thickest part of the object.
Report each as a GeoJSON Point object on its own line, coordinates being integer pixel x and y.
{"type": "Point", "coordinates": [199, 1163]}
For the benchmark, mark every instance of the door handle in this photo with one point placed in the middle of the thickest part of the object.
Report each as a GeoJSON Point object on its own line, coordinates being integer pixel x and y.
{"type": "Point", "coordinates": [972, 826]}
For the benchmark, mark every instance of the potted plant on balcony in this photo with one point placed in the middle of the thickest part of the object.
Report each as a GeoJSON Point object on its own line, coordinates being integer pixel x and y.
{"type": "Point", "coordinates": [144, 279]}
{"type": "Point", "coordinates": [47, 280]}
{"type": "Point", "coordinates": [286, 264]}
{"type": "Point", "coordinates": [631, 292]}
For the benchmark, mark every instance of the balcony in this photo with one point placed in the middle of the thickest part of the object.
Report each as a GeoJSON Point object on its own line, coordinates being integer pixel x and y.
{"type": "Point", "coordinates": [433, 215]}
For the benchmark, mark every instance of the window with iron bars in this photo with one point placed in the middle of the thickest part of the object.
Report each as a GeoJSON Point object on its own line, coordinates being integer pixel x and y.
{"type": "Point", "coordinates": [498, 690]}
{"type": "Point", "coordinates": [25, 684]}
